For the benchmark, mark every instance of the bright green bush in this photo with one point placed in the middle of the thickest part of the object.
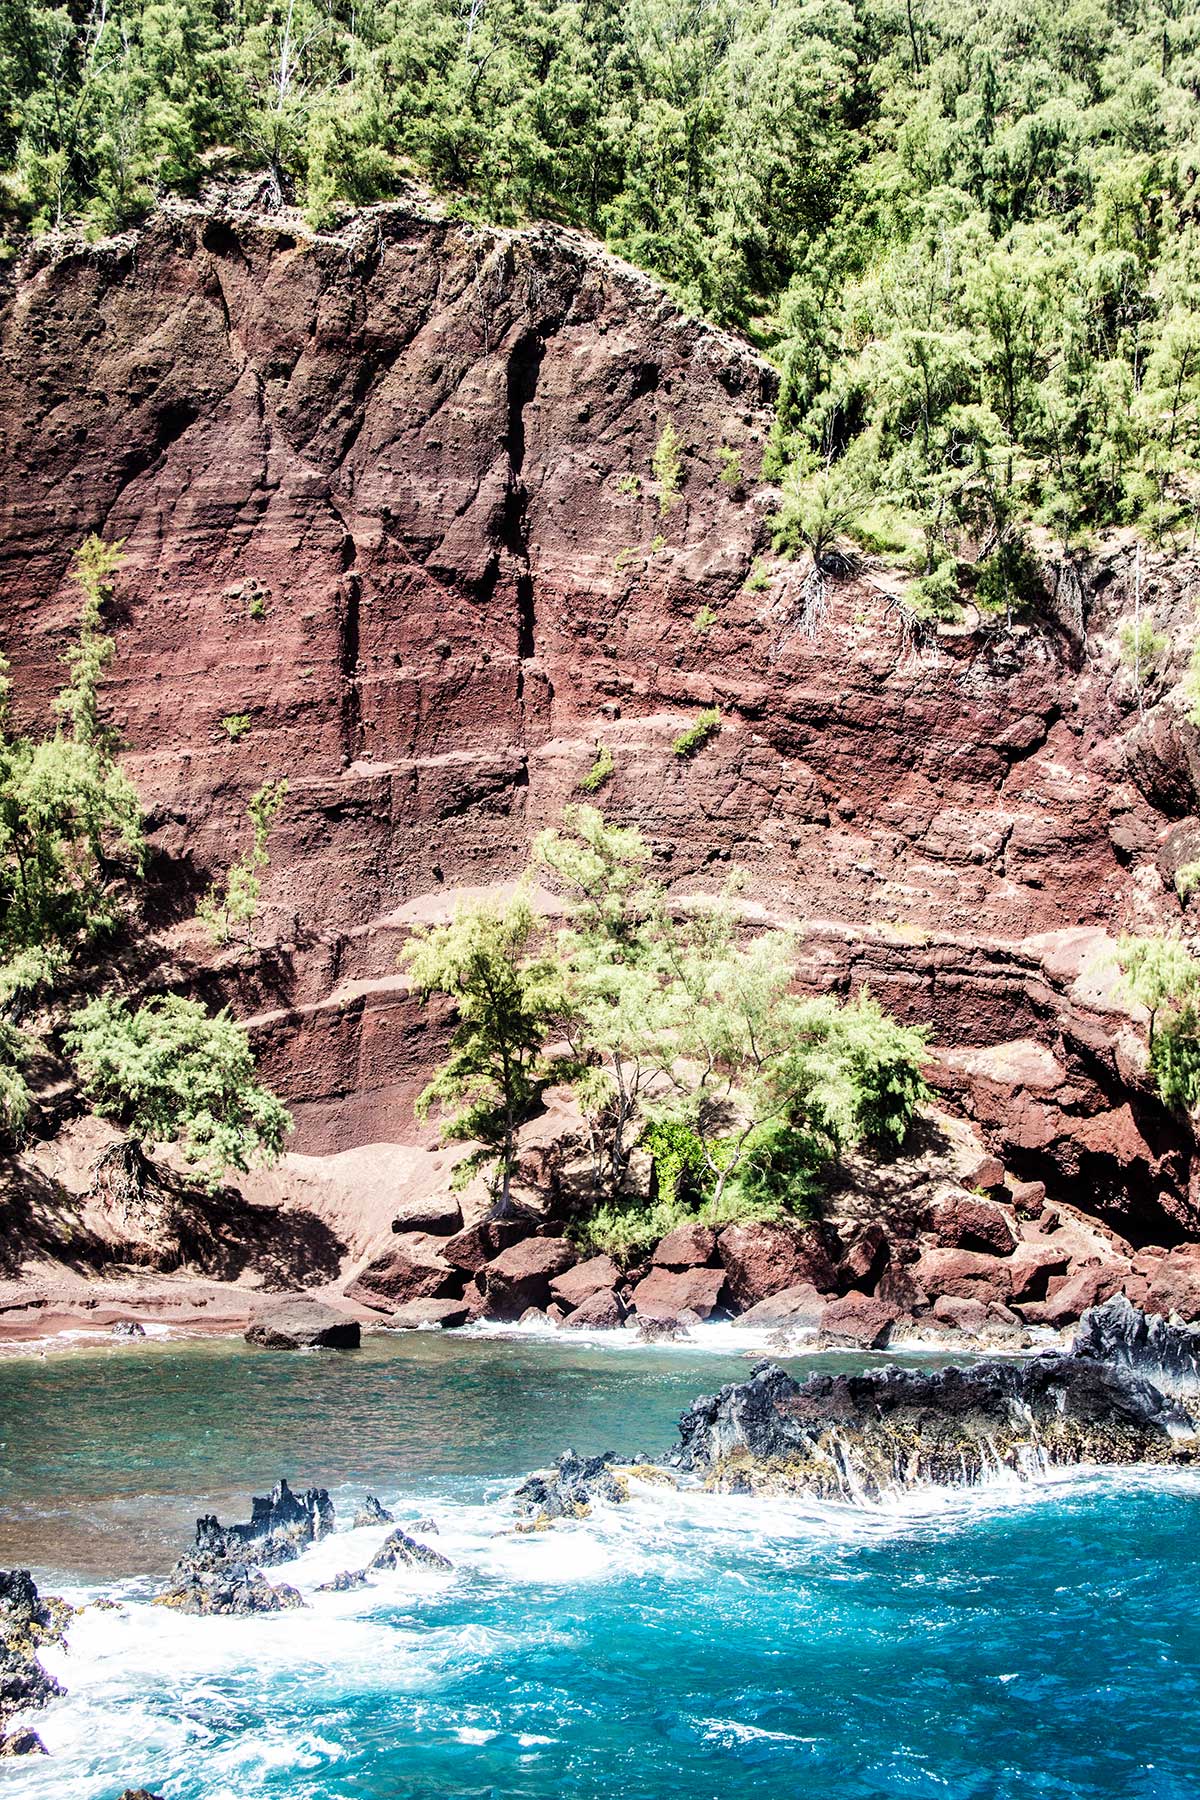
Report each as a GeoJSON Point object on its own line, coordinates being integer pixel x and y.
{"type": "Point", "coordinates": [169, 1073]}
{"type": "Point", "coordinates": [706, 726]}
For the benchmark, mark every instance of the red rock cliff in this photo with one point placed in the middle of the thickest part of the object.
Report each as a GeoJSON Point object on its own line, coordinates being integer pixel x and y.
{"type": "Point", "coordinates": [389, 494]}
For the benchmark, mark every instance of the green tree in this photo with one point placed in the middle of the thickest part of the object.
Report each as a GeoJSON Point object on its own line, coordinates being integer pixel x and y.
{"type": "Point", "coordinates": [167, 1072]}
{"type": "Point", "coordinates": [507, 995]}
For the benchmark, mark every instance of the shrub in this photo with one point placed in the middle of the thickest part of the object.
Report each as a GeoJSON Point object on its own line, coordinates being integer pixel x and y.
{"type": "Point", "coordinates": [1009, 581]}
{"type": "Point", "coordinates": [936, 596]}
{"type": "Point", "coordinates": [600, 770]}
{"type": "Point", "coordinates": [625, 1231]}
{"type": "Point", "coordinates": [697, 735]}
{"type": "Point", "coordinates": [758, 580]}
{"type": "Point", "coordinates": [731, 465]}
{"type": "Point", "coordinates": [235, 726]}
{"type": "Point", "coordinates": [704, 621]}
{"type": "Point", "coordinates": [169, 1073]}
{"type": "Point", "coordinates": [668, 467]}
{"type": "Point", "coordinates": [1187, 880]}
{"type": "Point", "coordinates": [628, 483]}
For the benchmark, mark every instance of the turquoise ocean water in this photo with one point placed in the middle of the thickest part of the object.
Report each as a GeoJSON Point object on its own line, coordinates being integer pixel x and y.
{"type": "Point", "coordinates": [1010, 1644]}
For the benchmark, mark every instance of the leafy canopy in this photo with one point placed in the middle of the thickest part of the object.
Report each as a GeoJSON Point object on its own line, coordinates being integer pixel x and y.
{"type": "Point", "coordinates": [168, 1072]}
{"type": "Point", "coordinates": [506, 993]}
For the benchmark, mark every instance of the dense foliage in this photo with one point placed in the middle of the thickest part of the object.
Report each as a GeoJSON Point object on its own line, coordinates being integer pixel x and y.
{"type": "Point", "coordinates": [169, 1072]}
{"type": "Point", "coordinates": [967, 231]}
{"type": "Point", "coordinates": [1162, 975]}
{"type": "Point", "coordinates": [71, 852]}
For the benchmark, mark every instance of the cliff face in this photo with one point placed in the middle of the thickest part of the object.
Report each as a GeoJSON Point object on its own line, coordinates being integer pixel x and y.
{"type": "Point", "coordinates": [390, 494]}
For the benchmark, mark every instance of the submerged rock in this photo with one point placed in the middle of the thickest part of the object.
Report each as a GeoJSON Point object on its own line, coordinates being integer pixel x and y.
{"type": "Point", "coordinates": [398, 1550]}
{"type": "Point", "coordinates": [27, 1621]}
{"type": "Point", "coordinates": [1117, 1333]}
{"type": "Point", "coordinates": [860, 1436]}
{"type": "Point", "coordinates": [344, 1582]}
{"type": "Point", "coordinates": [127, 1328]}
{"type": "Point", "coordinates": [279, 1528]}
{"type": "Point", "coordinates": [217, 1586]}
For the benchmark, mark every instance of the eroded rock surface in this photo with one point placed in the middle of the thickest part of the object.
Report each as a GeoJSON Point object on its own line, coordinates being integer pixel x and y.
{"type": "Point", "coordinates": [27, 1622]}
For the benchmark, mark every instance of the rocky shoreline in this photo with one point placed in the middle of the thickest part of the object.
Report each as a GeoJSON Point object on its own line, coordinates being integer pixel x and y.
{"type": "Point", "coordinates": [1127, 1392]}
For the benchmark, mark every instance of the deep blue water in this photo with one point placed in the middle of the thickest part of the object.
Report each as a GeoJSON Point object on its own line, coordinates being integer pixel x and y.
{"type": "Point", "coordinates": [1025, 1642]}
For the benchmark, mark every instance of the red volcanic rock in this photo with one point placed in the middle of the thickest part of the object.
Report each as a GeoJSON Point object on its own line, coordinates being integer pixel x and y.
{"type": "Point", "coordinates": [1167, 1283]}
{"type": "Point", "coordinates": [859, 1320]}
{"type": "Point", "coordinates": [687, 1247]}
{"type": "Point", "coordinates": [1070, 1298]}
{"type": "Point", "coordinates": [520, 1276]}
{"type": "Point", "coordinates": [764, 1259]}
{"type": "Point", "coordinates": [414, 1269]}
{"type": "Point", "coordinates": [800, 1306]}
{"type": "Point", "coordinates": [417, 1313]}
{"type": "Point", "coordinates": [899, 1288]}
{"type": "Point", "coordinates": [961, 1315]}
{"type": "Point", "coordinates": [479, 1244]}
{"type": "Point", "coordinates": [965, 1273]}
{"type": "Point", "coordinates": [1033, 1265]}
{"type": "Point", "coordinates": [669, 1293]}
{"type": "Point", "coordinates": [1028, 1198]}
{"type": "Point", "coordinates": [866, 1258]}
{"type": "Point", "coordinates": [988, 1172]}
{"type": "Point", "coordinates": [587, 1278]}
{"type": "Point", "coordinates": [435, 1213]}
{"type": "Point", "coordinates": [960, 1221]}
{"type": "Point", "coordinates": [601, 1311]}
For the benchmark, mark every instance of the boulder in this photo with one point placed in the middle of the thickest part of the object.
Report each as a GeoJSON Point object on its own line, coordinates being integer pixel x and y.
{"type": "Point", "coordinates": [871, 1433]}
{"type": "Point", "coordinates": [481, 1243]}
{"type": "Point", "coordinates": [899, 1287]}
{"type": "Point", "coordinates": [601, 1311]}
{"type": "Point", "coordinates": [866, 1259]}
{"type": "Point", "coordinates": [961, 1315]}
{"type": "Point", "coordinates": [27, 1621]}
{"type": "Point", "coordinates": [1117, 1332]}
{"type": "Point", "coordinates": [127, 1328]}
{"type": "Point", "coordinates": [398, 1550]}
{"type": "Point", "coordinates": [1033, 1265]}
{"type": "Point", "coordinates": [986, 1172]}
{"type": "Point", "coordinates": [859, 1320]}
{"type": "Point", "coordinates": [296, 1322]}
{"type": "Point", "coordinates": [415, 1315]}
{"type": "Point", "coordinates": [22, 1742]}
{"type": "Point", "coordinates": [765, 1259]}
{"type": "Point", "coordinates": [595, 1276]}
{"type": "Point", "coordinates": [139, 1794]}
{"type": "Point", "coordinates": [414, 1269]}
{"type": "Point", "coordinates": [1168, 1284]}
{"type": "Point", "coordinates": [520, 1276]}
{"type": "Point", "coordinates": [800, 1306]}
{"type": "Point", "coordinates": [1071, 1297]}
{"type": "Point", "coordinates": [1028, 1197]}
{"type": "Point", "coordinates": [568, 1490]}
{"type": "Point", "coordinates": [344, 1582]}
{"type": "Point", "coordinates": [687, 1247]}
{"type": "Point", "coordinates": [653, 1329]}
{"type": "Point", "coordinates": [439, 1214]}
{"type": "Point", "coordinates": [962, 1222]}
{"type": "Point", "coordinates": [966, 1273]}
{"type": "Point", "coordinates": [667, 1293]}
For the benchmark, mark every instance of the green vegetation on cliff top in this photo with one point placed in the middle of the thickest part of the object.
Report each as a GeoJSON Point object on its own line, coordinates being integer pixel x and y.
{"type": "Point", "coordinates": [967, 233]}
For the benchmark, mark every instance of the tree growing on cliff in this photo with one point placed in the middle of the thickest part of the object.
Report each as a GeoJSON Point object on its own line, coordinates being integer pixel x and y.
{"type": "Point", "coordinates": [170, 1073]}
{"type": "Point", "coordinates": [70, 820]}
{"type": "Point", "coordinates": [507, 994]}
{"type": "Point", "coordinates": [237, 903]}
{"type": "Point", "coordinates": [1162, 975]}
